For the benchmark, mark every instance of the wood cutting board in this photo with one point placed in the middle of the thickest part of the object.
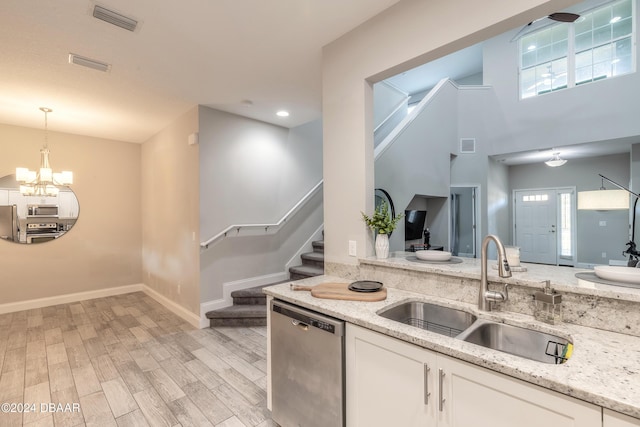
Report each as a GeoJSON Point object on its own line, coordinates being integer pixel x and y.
{"type": "Point", "coordinates": [340, 291]}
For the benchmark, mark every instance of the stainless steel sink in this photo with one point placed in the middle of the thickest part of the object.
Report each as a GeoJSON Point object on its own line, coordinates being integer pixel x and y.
{"type": "Point", "coordinates": [434, 318]}
{"type": "Point", "coordinates": [527, 343]}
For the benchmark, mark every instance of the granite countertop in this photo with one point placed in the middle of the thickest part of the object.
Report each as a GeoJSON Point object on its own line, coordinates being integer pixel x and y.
{"type": "Point", "coordinates": [563, 279]}
{"type": "Point", "coordinates": [604, 368]}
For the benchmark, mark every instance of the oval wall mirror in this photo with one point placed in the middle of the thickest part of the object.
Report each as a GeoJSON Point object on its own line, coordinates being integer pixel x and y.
{"type": "Point", "coordinates": [35, 219]}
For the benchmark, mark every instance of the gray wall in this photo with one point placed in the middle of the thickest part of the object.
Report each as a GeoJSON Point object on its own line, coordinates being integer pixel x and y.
{"type": "Point", "coordinates": [417, 163]}
{"type": "Point", "coordinates": [592, 238]}
{"type": "Point", "coordinates": [254, 172]}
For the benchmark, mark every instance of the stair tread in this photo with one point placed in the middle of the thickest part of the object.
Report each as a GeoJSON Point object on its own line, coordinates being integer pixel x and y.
{"type": "Point", "coordinates": [250, 292]}
{"type": "Point", "coordinates": [238, 311]}
{"type": "Point", "coordinates": [307, 269]}
{"type": "Point", "coordinates": [313, 256]}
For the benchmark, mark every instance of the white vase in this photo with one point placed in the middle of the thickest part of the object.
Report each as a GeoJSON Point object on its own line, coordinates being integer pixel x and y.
{"type": "Point", "coordinates": [382, 246]}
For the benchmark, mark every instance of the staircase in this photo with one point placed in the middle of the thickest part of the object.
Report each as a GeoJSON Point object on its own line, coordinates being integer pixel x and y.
{"type": "Point", "coordinates": [250, 305]}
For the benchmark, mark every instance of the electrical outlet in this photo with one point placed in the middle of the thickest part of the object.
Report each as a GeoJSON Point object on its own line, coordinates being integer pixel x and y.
{"type": "Point", "coordinates": [193, 236]}
{"type": "Point", "coordinates": [603, 223]}
{"type": "Point", "coordinates": [604, 254]}
{"type": "Point", "coordinates": [179, 288]}
{"type": "Point", "coordinates": [353, 248]}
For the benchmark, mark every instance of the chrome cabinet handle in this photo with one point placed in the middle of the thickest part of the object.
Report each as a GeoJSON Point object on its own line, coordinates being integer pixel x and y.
{"type": "Point", "coordinates": [426, 384]}
{"type": "Point", "coordinates": [440, 388]}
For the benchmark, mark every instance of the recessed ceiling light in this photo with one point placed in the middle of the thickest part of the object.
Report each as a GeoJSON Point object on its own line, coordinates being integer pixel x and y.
{"type": "Point", "coordinates": [282, 113]}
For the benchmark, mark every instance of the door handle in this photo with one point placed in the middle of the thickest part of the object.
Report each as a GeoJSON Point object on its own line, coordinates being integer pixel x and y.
{"type": "Point", "coordinates": [440, 388]}
{"type": "Point", "coordinates": [426, 384]}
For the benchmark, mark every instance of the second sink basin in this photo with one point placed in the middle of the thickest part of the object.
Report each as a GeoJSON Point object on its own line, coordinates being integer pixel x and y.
{"type": "Point", "coordinates": [527, 343]}
{"type": "Point", "coordinates": [434, 318]}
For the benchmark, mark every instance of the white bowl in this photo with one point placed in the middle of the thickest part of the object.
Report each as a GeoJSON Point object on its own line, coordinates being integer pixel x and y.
{"type": "Point", "coordinates": [617, 273]}
{"type": "Point", "coordinates": [431, 255]}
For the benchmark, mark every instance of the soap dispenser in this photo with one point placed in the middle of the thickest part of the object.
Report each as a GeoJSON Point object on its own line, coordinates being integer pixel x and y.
{"type": "Point", "coordinates": [548, 305]}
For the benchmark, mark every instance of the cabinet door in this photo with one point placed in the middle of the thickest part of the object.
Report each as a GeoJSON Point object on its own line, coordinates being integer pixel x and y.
{"type": "Point", "coordinates": [614, 419]}
{"type": "Point", "coordinates": [388, 381]}
{"type": "Point", "coordinates": [478, 397]}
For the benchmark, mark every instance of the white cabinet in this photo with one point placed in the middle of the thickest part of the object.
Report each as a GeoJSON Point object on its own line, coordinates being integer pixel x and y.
{"type": "Point", "coordinates": [475, 396]}
{"type": "Point", "coordinates": [67, 205]}
{"type": "Point", "coordinates": [614, 419]}
{"type": "Point", "coordinates": [387, 383]}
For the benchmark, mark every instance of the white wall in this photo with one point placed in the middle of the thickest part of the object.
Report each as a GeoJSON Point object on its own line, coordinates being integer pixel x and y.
{"type": "Point", "coordinates": [169, 202]}
{"type": "Point", "coordinates": [252, 172]}
{"type": "Point", "coordinates": [408, 34]}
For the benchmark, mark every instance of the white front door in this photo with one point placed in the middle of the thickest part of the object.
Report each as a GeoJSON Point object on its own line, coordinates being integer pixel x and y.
{"type": "Point", "coordinates": [535, 225]}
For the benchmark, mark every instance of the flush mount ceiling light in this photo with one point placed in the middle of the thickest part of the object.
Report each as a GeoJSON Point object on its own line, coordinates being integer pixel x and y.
{"type": "Point", "coordinates": [114, 18]}
{"type": "Point", "coordinates": [43, 182]}
{"type": "Point", "coordinates": [282, 113]}
{"type": "Point", "coordinates": [555, 161]}
{"type": "Point", "coordinates": [88, 62]}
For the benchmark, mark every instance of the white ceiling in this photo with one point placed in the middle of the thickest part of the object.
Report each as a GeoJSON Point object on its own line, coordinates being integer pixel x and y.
{"type": "Point", "coordinates": [189, 52]}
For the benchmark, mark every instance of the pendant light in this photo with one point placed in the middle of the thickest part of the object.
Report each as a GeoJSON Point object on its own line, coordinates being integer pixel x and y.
{"type": "Point", "coordinates": [43, 182]}
{"type": "Point", "coordinates": [603, 199]}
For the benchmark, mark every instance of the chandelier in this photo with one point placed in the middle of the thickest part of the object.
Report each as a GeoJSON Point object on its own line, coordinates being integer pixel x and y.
{"type": "Point", "coordinates": [43, 182]}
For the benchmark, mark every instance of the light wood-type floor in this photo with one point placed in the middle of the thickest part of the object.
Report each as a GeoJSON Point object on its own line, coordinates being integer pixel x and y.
{"type": "Point", "coordinates": [127, 361]}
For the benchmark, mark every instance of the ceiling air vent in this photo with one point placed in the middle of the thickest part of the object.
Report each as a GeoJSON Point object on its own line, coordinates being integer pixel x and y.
{"type": "Point", "coordinates": [467, 145]}
{"type": "Point", "coordinates": [89, 63]}
{"type": "Point", "coordinates": [114, 18]}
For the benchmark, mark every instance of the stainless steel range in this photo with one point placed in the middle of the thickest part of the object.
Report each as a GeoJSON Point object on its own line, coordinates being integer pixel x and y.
{"type": "Point", "coordinates": [39, 232]}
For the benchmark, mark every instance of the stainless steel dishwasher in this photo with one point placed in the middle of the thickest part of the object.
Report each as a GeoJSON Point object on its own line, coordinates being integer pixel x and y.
{"type": "Point", "coordinates": [307, 367]}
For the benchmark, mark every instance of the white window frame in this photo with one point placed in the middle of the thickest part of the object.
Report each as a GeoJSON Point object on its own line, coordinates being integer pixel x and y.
{"type": "Point", "coordinates": [571, 52]}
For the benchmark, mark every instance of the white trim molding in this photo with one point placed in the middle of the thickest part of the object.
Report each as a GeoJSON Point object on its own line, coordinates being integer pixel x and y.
{"type": "Point", "coordinates": [68, 298]}
{"type": "Point", "coordinates": [186, 315]}
{"type": "Point", "coordinates": [11, 307]}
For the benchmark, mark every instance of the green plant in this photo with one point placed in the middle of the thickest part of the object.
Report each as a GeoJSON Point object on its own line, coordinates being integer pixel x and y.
{"type": "Point", "coordinates": [382, 220]}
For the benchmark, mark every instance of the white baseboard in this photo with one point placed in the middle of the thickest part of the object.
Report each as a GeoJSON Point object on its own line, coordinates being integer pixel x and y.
{"type": "Point", "coordinates": [306, 247]}
{"type": "Point", "coordinates": [227, 288]}
{"type": "Point", "coordinates": [68, 298]}
{"type": "Point", "coordinates": [192, 318]}
{"type": "Point", "coordinates": [180, 311]}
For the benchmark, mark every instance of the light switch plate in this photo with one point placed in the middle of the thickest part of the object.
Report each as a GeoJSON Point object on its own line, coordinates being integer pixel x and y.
{"type": "Point", "coordinates": [352, 248]}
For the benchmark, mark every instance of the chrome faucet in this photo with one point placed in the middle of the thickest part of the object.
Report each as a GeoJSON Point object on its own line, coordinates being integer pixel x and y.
{"type": "Point", "coordinates": [485, 295]}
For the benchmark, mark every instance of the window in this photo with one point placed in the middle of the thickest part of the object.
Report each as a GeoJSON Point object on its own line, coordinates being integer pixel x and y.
{"type": "Point", "coordinates": [598, 45]}
{"type": "Point", "coordinates": [566, 226]}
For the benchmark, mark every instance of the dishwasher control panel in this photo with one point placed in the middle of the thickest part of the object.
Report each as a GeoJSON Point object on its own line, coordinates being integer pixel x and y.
{"type": "Point", "coordinates": [307, 320]}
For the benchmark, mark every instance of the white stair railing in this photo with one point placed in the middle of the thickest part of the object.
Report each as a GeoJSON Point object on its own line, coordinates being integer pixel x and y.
{"type": "Point", "coordinates": [234, 230]}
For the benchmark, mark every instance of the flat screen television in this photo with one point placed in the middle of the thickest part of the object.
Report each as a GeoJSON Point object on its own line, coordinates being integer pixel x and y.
{"type": "Point", "coordinates": [414, 224]}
